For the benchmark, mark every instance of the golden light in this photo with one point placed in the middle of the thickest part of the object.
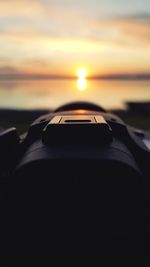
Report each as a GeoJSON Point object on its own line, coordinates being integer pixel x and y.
{"type": "Point", "coordinates": [82, 73]}
{"type": "Point", "coordinates": [82, 84]}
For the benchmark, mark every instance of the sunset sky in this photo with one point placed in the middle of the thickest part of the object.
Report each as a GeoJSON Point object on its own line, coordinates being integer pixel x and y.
{"type": "Point", "coordinates": [55, 37]}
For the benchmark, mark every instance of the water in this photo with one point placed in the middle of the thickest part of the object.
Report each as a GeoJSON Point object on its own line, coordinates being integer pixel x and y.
{"type": "Point", "coordinates": [39, 94]}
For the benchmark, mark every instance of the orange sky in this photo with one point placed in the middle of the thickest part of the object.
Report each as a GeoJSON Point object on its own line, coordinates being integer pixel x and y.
{"type": "Point", "coordinates": [56, 37]}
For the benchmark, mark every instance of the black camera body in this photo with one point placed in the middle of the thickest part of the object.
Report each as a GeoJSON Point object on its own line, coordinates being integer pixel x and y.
{"type": "Point", "coordinates": [79, 144]}
{"type": "Point", "coordinates": [76, 138]}
{"type": "Point", "coordinates": [78, 135]}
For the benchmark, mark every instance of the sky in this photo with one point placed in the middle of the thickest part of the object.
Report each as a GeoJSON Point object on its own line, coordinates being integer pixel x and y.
{"type": "Point", "coordinates": [56, 37]}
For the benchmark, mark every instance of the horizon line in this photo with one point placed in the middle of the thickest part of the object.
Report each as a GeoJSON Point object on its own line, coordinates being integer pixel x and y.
{"type": "Point", "coordinates": [24, 76]}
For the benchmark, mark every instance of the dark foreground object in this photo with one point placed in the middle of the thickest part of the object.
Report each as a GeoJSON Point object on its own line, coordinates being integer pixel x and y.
{"type": "Point", "coordinates": [77, 169]}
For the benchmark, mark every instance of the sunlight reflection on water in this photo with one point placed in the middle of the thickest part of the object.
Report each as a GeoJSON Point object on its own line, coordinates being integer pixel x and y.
{"type": "Point", "coordinates": [52, 93]}
{"type": "Point", "coordinates": [82, 84]}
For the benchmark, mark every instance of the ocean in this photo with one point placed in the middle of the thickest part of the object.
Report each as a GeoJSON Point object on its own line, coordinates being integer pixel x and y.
{"type": "Point", "coordinates": [49, 94]}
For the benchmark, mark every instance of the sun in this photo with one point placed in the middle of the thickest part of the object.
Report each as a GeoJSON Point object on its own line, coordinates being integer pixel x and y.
{"type": "Point", "coordinates": [82, 73]}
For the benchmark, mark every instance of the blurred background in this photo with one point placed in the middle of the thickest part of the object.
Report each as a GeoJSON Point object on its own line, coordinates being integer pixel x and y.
{"type": "Point", "coordinates": [56, 51]}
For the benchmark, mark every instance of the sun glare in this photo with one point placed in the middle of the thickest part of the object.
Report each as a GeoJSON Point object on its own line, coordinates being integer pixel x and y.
{"type": "Point", "coordinates": [82, 73]}
{"type": "Point", "coordinates": [82, 82]}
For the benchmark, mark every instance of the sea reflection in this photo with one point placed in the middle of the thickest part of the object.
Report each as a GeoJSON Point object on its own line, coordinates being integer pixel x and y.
{"type": "Point", "coordinates": [31, 94]}
{"type": "Point", "coordinates": [81, 84]}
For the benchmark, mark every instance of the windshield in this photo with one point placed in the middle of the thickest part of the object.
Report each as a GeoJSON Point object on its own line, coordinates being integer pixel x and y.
{"type": "Point", "coordinates": [56, 51]}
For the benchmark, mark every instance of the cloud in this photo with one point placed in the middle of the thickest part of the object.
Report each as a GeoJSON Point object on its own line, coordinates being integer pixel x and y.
{"type": "Point", "coordinates": [37, 62]}
{"type": "Point", "coordinates": [137, 27]}
{"type": "Point", "coordinates": [136, 17]}
{"type": "Point", "coordinates": [33, 37]}
{"type": "Point", "coordinates": [8, 70]}
{"type": "Point", "coordinates": [128, 31]}
{"type": "Point", "coordinates": [125, 30]}
{"type": "Point", "coordinates": [66, 20]}
{"type": "Point", "coordinates": [19, 8]}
